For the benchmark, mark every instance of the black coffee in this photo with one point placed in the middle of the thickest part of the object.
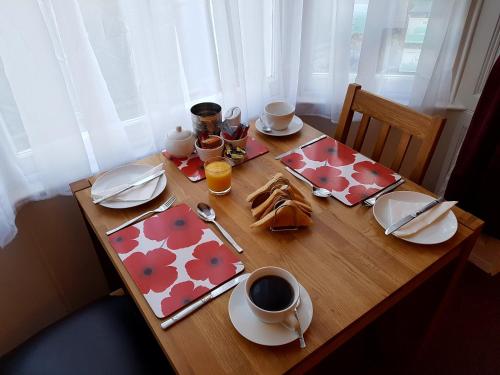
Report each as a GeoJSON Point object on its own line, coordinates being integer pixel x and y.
{"type": "Point", "coordinates": [271, 293]}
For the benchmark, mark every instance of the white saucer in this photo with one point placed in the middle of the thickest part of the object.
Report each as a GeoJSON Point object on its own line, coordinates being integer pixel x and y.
{"type": "Point", "coordinates": [295, 126]}
{"type": "Point", "coordinates": [439, 231]}
{"type": "Point", "coordinates": [125, 174]}
{"type": "Point", "coordinates": [253, 329]}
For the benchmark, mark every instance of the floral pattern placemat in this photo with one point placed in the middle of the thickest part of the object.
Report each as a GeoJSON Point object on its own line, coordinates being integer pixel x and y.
{"type": "Point", "coordinates": [349, 175]}
{"type": "Point", "coordinates": [174, 258]}
{"type": "Point", "coordinates": [192, 166]}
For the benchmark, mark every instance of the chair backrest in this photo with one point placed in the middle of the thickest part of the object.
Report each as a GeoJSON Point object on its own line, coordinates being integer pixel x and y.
{"type": "Point", "coordinates": [412, 124]}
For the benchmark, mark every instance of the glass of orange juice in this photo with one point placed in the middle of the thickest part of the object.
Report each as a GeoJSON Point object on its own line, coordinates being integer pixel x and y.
{"type": "Point", "coordinates": [218, 174]}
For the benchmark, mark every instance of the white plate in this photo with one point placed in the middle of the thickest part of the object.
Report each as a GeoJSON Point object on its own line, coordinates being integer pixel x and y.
{"type": "Point", "coordinates": [295, 126]}
{"type": "Point", "coordinates": [123, 175]}
{"type": "Point", "coordinates": [253, 329]}
{"type": "Point", "coordinates": [439, 231]}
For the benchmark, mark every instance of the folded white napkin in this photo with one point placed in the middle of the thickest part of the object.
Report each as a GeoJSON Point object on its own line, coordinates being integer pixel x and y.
{"type": "Point", "coordinates": [138, 193]}
{"type": "Point", "coordinates": [399, 209]}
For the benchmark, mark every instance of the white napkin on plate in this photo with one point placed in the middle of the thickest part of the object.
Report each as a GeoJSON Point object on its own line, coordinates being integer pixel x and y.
{"type": "Point", "coordinates": [399, 209]}
{"type": "Point", "coordinates": [138, 193]}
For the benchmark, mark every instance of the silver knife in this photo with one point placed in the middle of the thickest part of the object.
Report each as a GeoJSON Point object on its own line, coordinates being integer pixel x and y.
{"type": "Point", "coordinates": [298, 148]}
{"type": "Point", "coordinates": [136, 183]}
{"type": "Point", "coordinates": [210, 296]}
{"type": "Point", "coordinates": [410, 217]}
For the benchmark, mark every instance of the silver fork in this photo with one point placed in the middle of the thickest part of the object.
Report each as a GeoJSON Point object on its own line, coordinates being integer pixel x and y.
{"type": "Point", "coordinates": [165, 206]}
{"type": "Point", "coordinates": [371, 201]}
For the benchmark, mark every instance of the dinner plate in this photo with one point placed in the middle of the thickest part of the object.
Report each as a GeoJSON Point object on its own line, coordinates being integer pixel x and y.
{"type": "Point", "coordinates": [295, 126]}
{"type": "Point", "coordinates": [255, 330]}
{"type": "Point", "coordinates": [126, 174]}
{"type": "Point", "coordinates": [439, 231]}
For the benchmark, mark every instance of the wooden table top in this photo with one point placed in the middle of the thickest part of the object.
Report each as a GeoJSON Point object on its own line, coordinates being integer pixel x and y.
{"type": "Point", "coordinates": [352, 271]}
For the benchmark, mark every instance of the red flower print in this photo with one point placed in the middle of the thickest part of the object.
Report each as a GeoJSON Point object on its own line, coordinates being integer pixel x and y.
{"type": "Point", "coordinates": [214, 262]}
{"type": "Point", "coordinates": [369, 172]}
{"type": "Point", "coordinates": [358, 193]}
{"type": "Point", "coordinates": [330, 150]}
{"type": "Point", "coordinates": [152, 271]}
{"type": "Point", "coordinates": [180, 295]}
{"type": "Point", "coordinates": [194, 168]}
{"type": "Point", "coordinates": [124, 240]}
{"type": "Point", "coordinates": [326, 177]}
{"type": "Point", "coordinates": [294, 161]}
{"type": "Point", "coordinates": [179, 226]}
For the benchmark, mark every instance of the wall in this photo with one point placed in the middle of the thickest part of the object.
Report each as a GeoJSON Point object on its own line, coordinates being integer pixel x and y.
{"type": "Point", "coordinates": [48, 271]}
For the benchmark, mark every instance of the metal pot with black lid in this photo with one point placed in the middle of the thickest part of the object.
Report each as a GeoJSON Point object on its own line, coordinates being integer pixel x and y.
{"type": "Point", "coordinates": [207, 119]}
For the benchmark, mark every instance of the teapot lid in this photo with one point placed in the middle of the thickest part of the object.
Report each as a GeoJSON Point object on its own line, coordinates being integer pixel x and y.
{"type": "Point", "coordinates": [179, 134]}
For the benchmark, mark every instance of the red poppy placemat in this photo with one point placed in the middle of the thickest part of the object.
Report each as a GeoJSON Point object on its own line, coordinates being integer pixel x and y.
{"type": "Point", "coordinates": [192, 166]}
{"type": "Point", "coordinates": [174, 258]}
{"type": "Point", "coordinates": [349, 175]}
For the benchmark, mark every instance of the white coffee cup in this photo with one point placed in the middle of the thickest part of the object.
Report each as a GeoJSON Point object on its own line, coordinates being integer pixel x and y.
{"type": "Point", "coordinates": [281, 316]}
{"type": "Point", "coordinates": [278, 115]}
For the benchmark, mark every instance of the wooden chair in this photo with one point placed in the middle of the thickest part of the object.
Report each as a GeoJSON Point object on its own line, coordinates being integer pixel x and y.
{"type": "Point", "coordinates": [413, 124]}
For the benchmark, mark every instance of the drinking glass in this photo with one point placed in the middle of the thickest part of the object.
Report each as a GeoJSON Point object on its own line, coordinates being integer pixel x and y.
{"type": "Point", "coordinates": [218, 174]}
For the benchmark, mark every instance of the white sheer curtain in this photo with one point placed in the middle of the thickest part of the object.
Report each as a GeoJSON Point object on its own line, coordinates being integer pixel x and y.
{"type": "Point", "coordinates": [86, 85]}
{"type": "Point", "coordinates": [403, 50]}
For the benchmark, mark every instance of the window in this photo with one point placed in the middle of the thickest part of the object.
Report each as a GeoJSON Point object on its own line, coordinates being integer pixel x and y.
{"type": "Point", "coordinates": [402, 45]}
{"type": "Point", "coordinates": [392, 45]}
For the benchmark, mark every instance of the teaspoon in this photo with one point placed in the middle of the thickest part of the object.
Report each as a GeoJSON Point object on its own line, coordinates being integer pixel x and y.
{"type": "Point", "coordinates": [265, 127]}
{"type": "Point", "coordinates": [207, 213]}
{"type": "Point", "coordinates": [317, 191]}
{"type": "Point", "coordinates": [300, 332]}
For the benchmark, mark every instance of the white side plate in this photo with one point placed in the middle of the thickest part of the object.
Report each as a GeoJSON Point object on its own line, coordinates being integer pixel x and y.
{"type": "Point", "coordinates": [123, 175]}
{"type": "Point", "coordinates": [439, 231]}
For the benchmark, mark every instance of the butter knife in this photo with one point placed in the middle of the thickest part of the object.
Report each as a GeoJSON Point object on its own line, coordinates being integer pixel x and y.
{"type": "Point", "coordinates": [410, 217]}
{"type": "Point", "coordinates": [210, 296]}
{"type": "Point", "coordinates": [298, 148]}
{"type": "Point", "coordinates": [136, 183]}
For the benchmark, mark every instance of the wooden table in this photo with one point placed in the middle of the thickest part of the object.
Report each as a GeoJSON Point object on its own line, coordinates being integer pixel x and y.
{"type": "Point", "coordinates": [352, 271]}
